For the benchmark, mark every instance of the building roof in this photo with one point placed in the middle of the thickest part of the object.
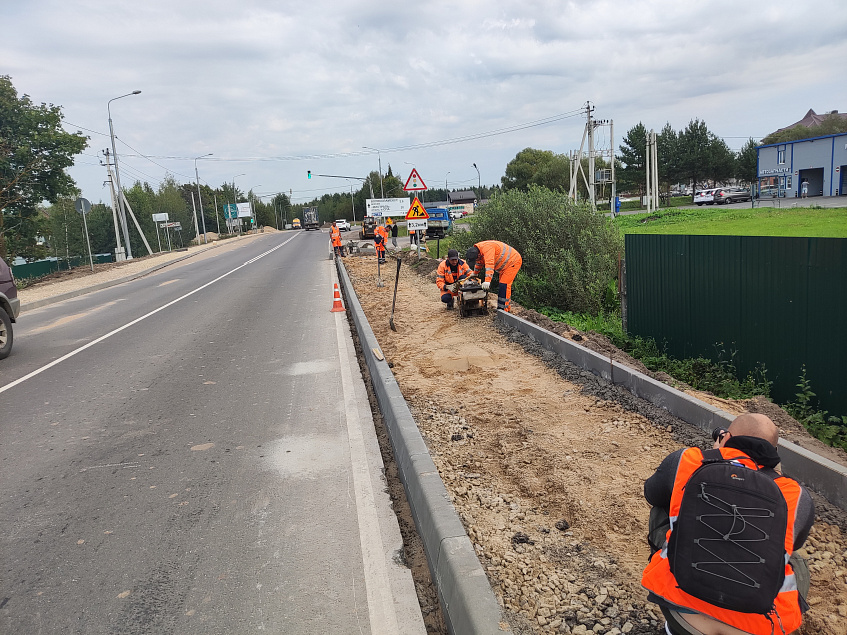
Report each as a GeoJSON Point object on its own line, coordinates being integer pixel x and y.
{"type": "Point", "coordinates": [464, 196]}
{"type": "Point", "coordinates": [813, 119]}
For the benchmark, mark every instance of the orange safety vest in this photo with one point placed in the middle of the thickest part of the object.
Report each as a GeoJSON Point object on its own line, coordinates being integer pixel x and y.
{"type": "Point", "coordinates": [495, 256]}
{"type": "Point", "coordinates": [445, 274]}
{"type": "Point", "coordinates": [335, 235]}
{"type": "Point", "coordinates": [659, 579]}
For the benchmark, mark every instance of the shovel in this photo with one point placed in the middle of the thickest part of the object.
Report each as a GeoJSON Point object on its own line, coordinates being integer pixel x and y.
{"type": "Point", "coordinates": [396, 280]}
{"type": "Point", "coordinates": [378, 274]}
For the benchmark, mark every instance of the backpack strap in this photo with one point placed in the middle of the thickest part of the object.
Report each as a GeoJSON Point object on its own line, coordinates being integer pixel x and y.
{"type": "Point", "coordinates": [712, 456]}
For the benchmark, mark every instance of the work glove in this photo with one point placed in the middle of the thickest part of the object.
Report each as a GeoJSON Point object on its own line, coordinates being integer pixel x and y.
{"type": "Point", "coordinates": [486, 285]}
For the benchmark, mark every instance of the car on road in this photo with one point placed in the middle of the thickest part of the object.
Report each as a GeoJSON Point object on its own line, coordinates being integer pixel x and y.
{"type": "Point", "coordinates": [10, 307]}
{"type": "Point", "coordinates": [705, 197]}
{"type": "Point", "coordinates": [725, 195]}
{"type": "Point", "coordinates": [342, 224]}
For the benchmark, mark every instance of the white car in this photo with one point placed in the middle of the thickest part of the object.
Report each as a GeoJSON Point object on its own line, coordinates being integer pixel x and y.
{"type": "Point", "coordinates": [705, 197]}
{"type": "Point", "coordinates": [342, 224]}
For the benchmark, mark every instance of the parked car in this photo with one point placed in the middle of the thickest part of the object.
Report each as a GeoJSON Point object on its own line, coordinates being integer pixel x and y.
{"type": "Point", "coordinates": [342, 224]}
{"type": "Point", "coordinates": [456, 214]}
{"type": "Point", "coordinates": [10, 307]}
{"type": "Point", "coordinates": [730, 195]}
{"type": "Point", "coordinates": [705, 197]}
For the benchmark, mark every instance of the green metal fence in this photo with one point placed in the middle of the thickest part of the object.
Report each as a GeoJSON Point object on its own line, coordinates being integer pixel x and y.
{"type": "Point", "coordinates": [781, 302]}
{"type": "Point", "coordinates": [43, 267]}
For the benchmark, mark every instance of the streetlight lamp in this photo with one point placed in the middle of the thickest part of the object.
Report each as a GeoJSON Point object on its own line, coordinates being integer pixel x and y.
{"type": "Point", "coordinates": [478, 184]}
{"type": "Point", "coordinates": [199, 198]}
{"type": "Point", "coordinates": [379, 156]}
{"type": "Point", "coordinates": [121, 211]}
{"type": "Point", "coordinates": [255, 196]}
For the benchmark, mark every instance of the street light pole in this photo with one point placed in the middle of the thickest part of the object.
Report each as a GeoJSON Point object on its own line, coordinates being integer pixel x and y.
{"type": "Point", "coordinates": [379, 156]}
{"type": "Point", "coordinates": [121, 211]}
{"type": "Point", "coordinates": [199, 198]}
{"type": "Point", "coordinates": [446, 191]}
{"type": "Point", "coordinates": [478, 184]}
{"type": "Point", "coordinates": [235, 197]}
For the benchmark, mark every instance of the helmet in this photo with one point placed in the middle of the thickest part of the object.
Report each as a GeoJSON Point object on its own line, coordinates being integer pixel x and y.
{"type": "Point", "coordinates": [472, 253]}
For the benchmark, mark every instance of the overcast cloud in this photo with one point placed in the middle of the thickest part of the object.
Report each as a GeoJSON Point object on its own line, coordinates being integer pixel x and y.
{"type": "Point", "coordinates": [264, 85]}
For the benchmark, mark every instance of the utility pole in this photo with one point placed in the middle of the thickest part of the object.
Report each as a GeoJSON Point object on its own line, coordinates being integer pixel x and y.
{"type": "Point", "coordinates": [120, 255]}
{"type": "Point", "coordinates": [121, 212]}
{"type": "Point", "coordinates": [591, 181]}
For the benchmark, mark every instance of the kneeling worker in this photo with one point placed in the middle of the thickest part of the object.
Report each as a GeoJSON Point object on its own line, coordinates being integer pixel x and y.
{"type": "Point", "coordinates": [724, 530]}
{"type": "Point", "coordinates": [490, 256]}
{"type": "Point", "coordinates": [450, 271]}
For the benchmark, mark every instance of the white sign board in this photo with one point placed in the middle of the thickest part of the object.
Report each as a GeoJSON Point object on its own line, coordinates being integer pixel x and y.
{"type": "Point", "coordinates": [244, 210]}
{"type": "Point", "coordinates": [416, 224]}
{"type": "Point", "coordinates": [160, 218]}
{"type": "Point", "coordinates": [380, 207]}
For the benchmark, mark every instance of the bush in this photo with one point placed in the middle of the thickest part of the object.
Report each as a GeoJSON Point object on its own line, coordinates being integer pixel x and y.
{"type": "Point", "coordinates": [569, 250]}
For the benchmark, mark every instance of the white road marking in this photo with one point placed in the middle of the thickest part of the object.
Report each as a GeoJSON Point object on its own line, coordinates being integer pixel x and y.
{"type": "Point", "coordinates": [55, 362]}
{"type": "Point", "coordinates": [381, 612]}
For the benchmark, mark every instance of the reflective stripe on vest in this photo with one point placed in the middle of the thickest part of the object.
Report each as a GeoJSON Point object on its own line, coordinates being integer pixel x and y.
{"type": "Point", "coordinates": [659, 579]}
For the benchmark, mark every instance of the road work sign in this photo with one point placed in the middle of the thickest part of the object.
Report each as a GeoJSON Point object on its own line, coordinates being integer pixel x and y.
{"type": "Point", "coordinates": [414, 183]}
{"type": "Point", "coordinates": [417, 211]}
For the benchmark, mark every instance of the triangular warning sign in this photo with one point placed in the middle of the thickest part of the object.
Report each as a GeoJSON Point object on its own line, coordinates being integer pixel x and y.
{"type": "Point", "coordinates": [414, 183]}
{"type": "Point", "coordinates": [417, 211]}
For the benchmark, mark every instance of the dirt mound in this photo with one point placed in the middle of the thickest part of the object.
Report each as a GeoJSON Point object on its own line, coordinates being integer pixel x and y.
{"type": "Point", "coordinates": [545, 464]}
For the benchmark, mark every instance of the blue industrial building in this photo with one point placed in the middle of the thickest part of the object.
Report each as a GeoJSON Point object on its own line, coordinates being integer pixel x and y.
{"type": "Point", "coordinates": [819, 162]}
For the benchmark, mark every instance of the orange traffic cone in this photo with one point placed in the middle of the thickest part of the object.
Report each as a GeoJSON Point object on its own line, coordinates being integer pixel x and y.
{"type": "Point", "coordinates": [336, 301]}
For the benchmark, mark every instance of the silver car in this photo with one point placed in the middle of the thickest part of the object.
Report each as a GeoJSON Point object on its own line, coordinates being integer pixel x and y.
{"type": "Point", "coordinates": [705, 197]}
{"type": "Point", "coordinates": [726, 195]}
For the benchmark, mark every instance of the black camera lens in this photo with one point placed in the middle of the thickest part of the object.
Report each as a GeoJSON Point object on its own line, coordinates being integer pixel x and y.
{"type": "Point", "coordinates": [718, 433]}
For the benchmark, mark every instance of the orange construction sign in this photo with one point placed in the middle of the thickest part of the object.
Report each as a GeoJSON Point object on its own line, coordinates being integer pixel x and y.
{"type": "Point", "coordinates": [414, 183]}
{"type": "Point", "coordinates": [417, 211]}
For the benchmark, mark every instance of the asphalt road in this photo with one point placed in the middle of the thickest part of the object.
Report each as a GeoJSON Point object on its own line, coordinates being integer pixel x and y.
{"type": "Point", "coordinates": [193, 452]}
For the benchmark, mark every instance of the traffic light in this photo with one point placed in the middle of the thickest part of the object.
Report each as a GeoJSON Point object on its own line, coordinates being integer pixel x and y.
{"type": "Point", "coordinates": [309, 174]}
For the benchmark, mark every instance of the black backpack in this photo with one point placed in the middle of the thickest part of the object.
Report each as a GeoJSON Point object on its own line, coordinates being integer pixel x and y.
{"type": "Point", "coordinates": [727, 546]}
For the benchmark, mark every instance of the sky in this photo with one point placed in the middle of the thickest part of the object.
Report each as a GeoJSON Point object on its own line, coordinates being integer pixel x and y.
{"type": "Point", "coordinates": [276, 89]}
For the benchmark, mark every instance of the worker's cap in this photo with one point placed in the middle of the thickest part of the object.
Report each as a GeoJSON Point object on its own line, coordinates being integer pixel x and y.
{"type": "Point", "coordinates": [452, 254]}
{"type": "Point", "coordinates": [472, 253]}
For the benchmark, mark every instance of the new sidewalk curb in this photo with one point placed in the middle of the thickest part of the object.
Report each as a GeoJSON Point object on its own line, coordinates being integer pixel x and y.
{"type": "Point", "coordinates": [467, 599]}
{"type": "Point", "coordinates": [105, 285]}
{"type": "Point", "coordinates": [820, 474]}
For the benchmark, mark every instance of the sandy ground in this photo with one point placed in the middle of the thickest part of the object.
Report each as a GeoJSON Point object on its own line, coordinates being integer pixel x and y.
{"type": "Point", "coordinates": [545, 464]}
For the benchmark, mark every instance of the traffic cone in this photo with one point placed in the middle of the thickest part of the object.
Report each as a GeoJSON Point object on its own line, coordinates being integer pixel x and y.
{"type": "Point", "coordinates": [336, 301]}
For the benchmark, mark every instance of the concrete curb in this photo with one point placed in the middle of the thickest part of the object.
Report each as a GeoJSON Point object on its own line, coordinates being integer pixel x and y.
{"type": "Point", "coordinates": [820, 474]}
{"type": "Point", "coordinates": [467, 599]}
{"type": "Point", "coordinates": [104, 285]}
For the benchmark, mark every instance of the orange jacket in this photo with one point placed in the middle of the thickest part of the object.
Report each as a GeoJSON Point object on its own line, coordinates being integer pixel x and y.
{"type": "Point", "coordinates": [446, 275]}
{"type": "Point", "coordinates": [659, 579]}
{"type": "Point", "coordinates": [494, 256]}
{"type": "Point", "coordinates": [335, 236]}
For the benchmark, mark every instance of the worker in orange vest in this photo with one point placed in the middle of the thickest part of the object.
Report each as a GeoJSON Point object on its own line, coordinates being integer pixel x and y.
{"type": "Point", "coordinates": [710, 567]}
{"type": "Point", "coordinates": [335, 237]}
{"type": "Point", "coordinates": [492, 256]}
{"type": "Point", "coordinates": [380, 240]}
{"type": "Point", "coordinates": [450, 271]}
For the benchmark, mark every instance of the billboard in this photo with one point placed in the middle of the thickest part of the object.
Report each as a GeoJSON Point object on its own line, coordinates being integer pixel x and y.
{"type": "Point", "coordinates": [387, 206]}
{"type": "Point", "coordinates": [244, 210]}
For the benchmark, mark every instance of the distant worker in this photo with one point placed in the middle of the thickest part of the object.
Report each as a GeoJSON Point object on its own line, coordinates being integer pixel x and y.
{"type": "Point", "coordinates": [804, 188]}
{"type": "Point", "coordinates": [450, 271]}
{"type": "Point", "coordinates": [392, 227]}
{"type": "Point", "coordinates": [724, 531]}
{"type": "Point", "coordinates": [335, 237]}
{"type": "Point", "coordinates": [489, 256]}
{"type": "Point", "coordinates": [380, 238]}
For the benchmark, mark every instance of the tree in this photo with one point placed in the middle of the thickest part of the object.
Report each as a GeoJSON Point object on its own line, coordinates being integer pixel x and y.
{"type": "Point", "coordinates": [34, 152]}
{"type": "Point", "coordinates": [633, 153]}
{"type": "Point", "coordinates": [746, 163]}
{"type": "Point", "coordinates": [667, 151]}
{"type": "Point", "coordinates": [832, 123]}
{"type": "Point", "coordinates": [537, 167]}
{"type": "Point", "coordinates": [721, 160]}
{"type": "Point", "coordinates": [694, 157]}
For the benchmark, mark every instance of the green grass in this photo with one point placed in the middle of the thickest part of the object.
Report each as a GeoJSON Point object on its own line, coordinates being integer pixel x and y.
{"type": "Point", "coordinates": [760, 221]}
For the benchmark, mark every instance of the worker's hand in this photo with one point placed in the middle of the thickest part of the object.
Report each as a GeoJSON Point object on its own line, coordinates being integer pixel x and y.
{"type": "Point", "coordinates": [486, 285]}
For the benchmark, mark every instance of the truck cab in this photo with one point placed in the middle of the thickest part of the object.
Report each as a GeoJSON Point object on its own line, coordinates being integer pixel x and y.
{"type": "Point", "coordinates": [439, 222]}
{"type": "Point", "coordinates": [295, 223]}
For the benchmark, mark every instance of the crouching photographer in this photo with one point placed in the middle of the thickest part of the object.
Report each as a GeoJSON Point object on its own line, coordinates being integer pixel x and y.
{"type": "Point", "coordinates": [723, 532]}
